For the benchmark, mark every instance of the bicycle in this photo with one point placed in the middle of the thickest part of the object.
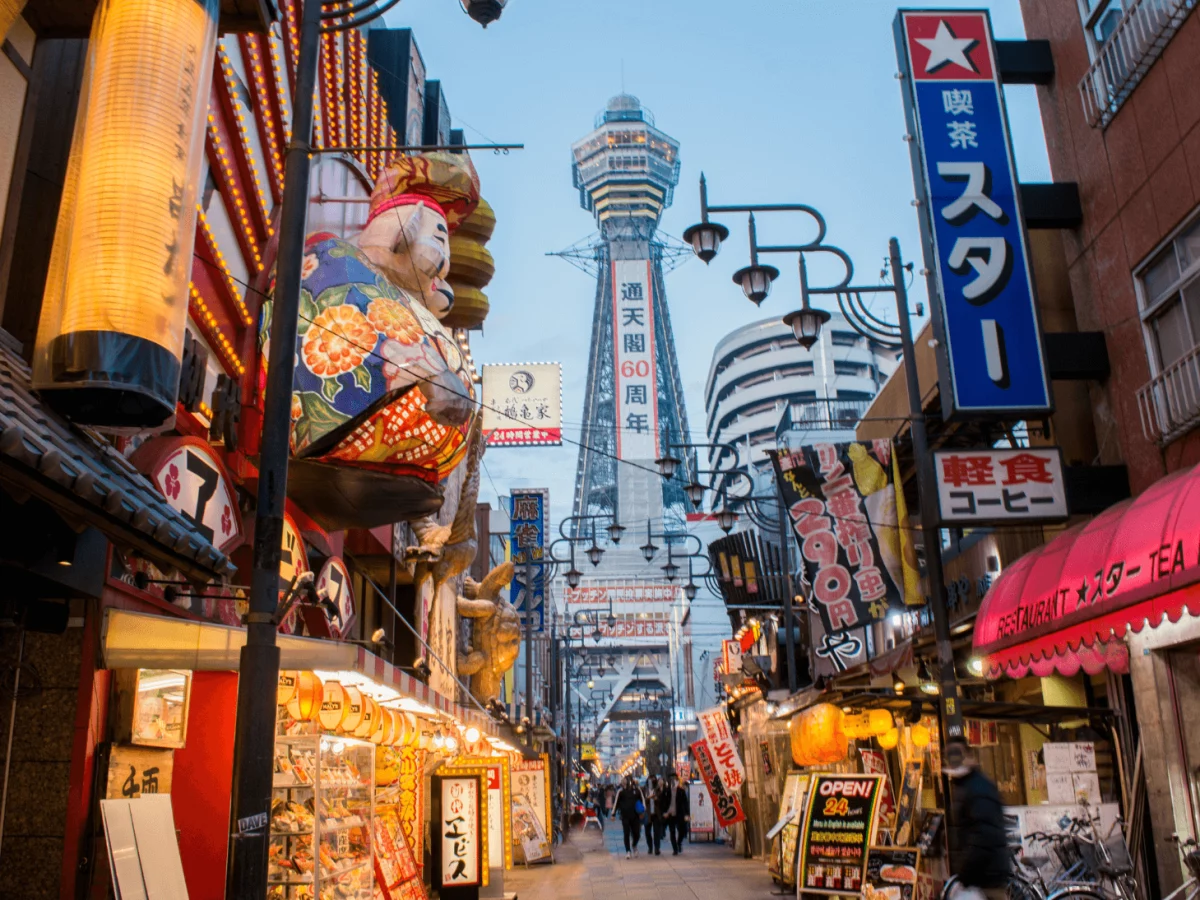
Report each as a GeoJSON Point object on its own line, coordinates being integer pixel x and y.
{"type": "Point", "coordinates": [952, 889]}
{"type": "Point", "coordinates": [1190, 889]}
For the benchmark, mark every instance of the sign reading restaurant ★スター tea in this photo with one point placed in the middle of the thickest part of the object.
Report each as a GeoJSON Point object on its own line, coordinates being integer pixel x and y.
{"type": "Point", "coordinates": [838, 829]}
{"type": "Point", "coordinates": [522, 404]}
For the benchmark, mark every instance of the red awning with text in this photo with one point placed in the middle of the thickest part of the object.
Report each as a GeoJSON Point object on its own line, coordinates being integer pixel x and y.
{"type": "Point", "coordinates": [1067, 606]}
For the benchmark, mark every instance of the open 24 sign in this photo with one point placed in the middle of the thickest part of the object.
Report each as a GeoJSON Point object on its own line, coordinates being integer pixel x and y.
{"type": "Point", "coordinates": [985, 316]}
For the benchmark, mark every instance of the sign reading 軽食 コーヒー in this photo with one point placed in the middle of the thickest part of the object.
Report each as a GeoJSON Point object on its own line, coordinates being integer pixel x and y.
{"type": "Point", "coordinates": [838, 829]}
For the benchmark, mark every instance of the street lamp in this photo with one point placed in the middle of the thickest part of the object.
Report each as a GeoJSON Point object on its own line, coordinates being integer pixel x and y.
{"type": "Point", "coordinates": [667, 466]}
{"type": "Point", "coordinates": [695, 493]}
{"type": "Point", "coordinates": [485, 12]}
{"type": "Point", "coordinates": [648, 550]}
{"type": "Point", "coordinates": [594, 554]}
{"type": "Point", "coordinates": [573, 576]}
{"type": "Point", "coordinates": [806, 326]}
{"type": "Point", "coordinates": [755, 279]}
{"type": "Point", "coordinates": [671, 571]}
{"type": "Point", "coordinates": [726, 518]}
{"type": "Point", "coordinates": [615, 530]}
{"type": "Point", "coordinates": [689, 590]}
{"type": "Point", "coordinates": [706, 237]}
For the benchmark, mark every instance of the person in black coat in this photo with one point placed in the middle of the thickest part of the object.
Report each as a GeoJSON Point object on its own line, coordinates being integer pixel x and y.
{"type": "Point", "coordinates": [979, 852]}
{"type": "Point", "coordinates": [631, 820]}
{"type": "Point", "coordinates": [679, 814]}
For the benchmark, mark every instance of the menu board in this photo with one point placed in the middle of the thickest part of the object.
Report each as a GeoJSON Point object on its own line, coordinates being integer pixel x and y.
{"type": "Point", "coordinates": [396, 874]}
{"type": "Point", "coordinates": [838, 829]}
{"type": "Point", "coordinates": [781, 863]}
{"type": "Point", "coordinates": [891, 873]}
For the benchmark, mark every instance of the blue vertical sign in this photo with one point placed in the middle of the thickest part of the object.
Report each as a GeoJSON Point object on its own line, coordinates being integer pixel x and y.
{"type": "Point", "coordinates": [984, 311]}
{"type": "Point", "coordinates": [527, 543]}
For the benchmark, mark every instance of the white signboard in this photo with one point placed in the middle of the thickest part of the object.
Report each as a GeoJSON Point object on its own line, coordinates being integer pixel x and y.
{"type": "Point", "coordinates": [980, 486]}
{"type": "Point", "coordinates": [721, 744]}
{"type": "Point", "coordinates": [633, 360]}
{"type": "Point", "coordinates": [460, 832]}
{"type": "Point", "coordinates": [700, 804]}
{"type": "Point", "coordinates": [334, 584]}
{"type": "Point", "coordinates": [528, 779]}
{"type": "Point", "coordinates": [623, 592]}
{"type": "Point", "coordinates": [1076, 756]}
{"type": "Point", "coordinates": [522, 404]}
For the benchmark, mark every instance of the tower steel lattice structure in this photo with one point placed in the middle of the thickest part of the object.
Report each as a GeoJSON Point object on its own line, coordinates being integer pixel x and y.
{"type": "Point", "coordinates": [626, 170]}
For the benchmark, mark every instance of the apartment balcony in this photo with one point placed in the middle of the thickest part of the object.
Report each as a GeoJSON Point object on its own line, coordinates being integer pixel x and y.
{"type": "Point", "coordinates": [1125, 58]}
{"type": "Point", "coordinates": [1170, 403]}
{"type": "Point", "coordinates": [823, 415]}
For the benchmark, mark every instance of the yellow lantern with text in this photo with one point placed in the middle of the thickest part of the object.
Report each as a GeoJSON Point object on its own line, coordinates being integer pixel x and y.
{"type": "Point", "coordinates": [286, 689]}
{"type": "Point", "coordinates": [355, 706]}
{"type": "Point", "coordinates": [817, 737]}
{"type": "Point", "coordinates": [333, 706]}
{"type": "Point", "coordinates": [306, 702]}
{"type": "Point", "coordinates": [369, 718]}
{"type": "Point", "coordinates": [856, 725]}
{"type": "Point", "coordinates": [111, 334]}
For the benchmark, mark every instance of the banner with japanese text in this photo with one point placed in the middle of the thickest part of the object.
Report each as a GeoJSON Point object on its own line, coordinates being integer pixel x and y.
{"type": "Point", "coordinates": [990, 355]}
{"type": "Point", "coordinates": [528, 524]}
{"type": "Point", "coordinates": [714, 725]}
{"type": "Point", "coordinates": [850, 522]}
{"type": "Point", "coordinates": [522, 404]}
{"type": "Point", "coordinates": [636, 395]}
{"type": "Point", "coordinates": [726, 806]}
{"type": "Point", "coordinates": [463, 839]}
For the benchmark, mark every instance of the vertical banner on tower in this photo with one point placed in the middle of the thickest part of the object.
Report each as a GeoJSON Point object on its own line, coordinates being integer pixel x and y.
{"type": "Point", "coordinates": [633, 359]}
{"type": "Point", "coordinates": [990, 357]}
{"type": "Point", "coordinates": [850, 522]}
{"type": "Point", "coordinates": [527, 544]}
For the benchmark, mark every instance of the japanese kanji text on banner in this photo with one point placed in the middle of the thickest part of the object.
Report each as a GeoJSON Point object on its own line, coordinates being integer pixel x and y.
{"type": "Point", "coordinates": [522, 404]}
{"type": "Point", "coordinates": [726, 806]}
{"type": "Point", "coordinates": [718, 736]}
{"type": "Point", "coordinates": [633, 360]}
{"type": "Point", "coordinates": [985, 318]}
{"type": "Point", "coordinates": [527, 545]}
{"type": "Point", "coordinates": [851, 525]}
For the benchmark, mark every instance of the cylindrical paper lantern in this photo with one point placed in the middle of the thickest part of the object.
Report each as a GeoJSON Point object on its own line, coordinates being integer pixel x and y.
{"type": "Point", "coordinates": [856, 725]}
{"type": "Point", "coordinates": [111, 334]}
{"type": "Point", "coordinates": [889, 738]}
{"type": "Point", "coordinates": [881, 721]}
{"type": "Point", "coordinates": [355, 707]}
{"type": "Point", "coordinates": [287, 686]}
{"type": "Point", "coordinates": [306, 702]}
{"type": "Point", "coordinates": [388, 730]}
{"type": "Point", "coordinates": [333, 707]}
{"type": "Point", "coordinates": [378, 732]}
{"type": "Point", "coordinates": [920, 735]}
{"type": "Point", "coordinates": [370, 714]}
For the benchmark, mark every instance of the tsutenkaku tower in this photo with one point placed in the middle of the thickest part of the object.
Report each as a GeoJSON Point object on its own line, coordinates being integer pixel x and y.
{"type": "Point", "coordinates": [626, 171]}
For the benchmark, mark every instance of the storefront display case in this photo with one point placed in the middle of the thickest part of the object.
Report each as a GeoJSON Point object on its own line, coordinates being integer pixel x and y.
{"type": "Point", "coordinates": [322, 814]}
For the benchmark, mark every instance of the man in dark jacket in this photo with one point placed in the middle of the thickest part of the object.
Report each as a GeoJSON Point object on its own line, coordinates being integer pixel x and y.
{"type": "Point", "coordinates": [979, 856]}
{"type": "Point", "coordinates": [631, 820]}
{"type": "Point", "coordinates": [679, 814]}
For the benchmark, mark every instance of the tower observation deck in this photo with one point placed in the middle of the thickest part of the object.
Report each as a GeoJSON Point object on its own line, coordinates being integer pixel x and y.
{"type": "Point", "coordinates": [626, 171]}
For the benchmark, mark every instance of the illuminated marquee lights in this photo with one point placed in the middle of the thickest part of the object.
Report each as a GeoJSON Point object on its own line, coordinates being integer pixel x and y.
{"type": "Point", "coordinates": [204, 318]}
{"type": "Point", "coordinates": [281, 92]}
{"type": "Point", "coordinates": [239, 203]}
{"type": "Point", "coordinates": [275, 162]}
{"type": "Point", "coordinates": [220, 258]}
{"type": "Point", "coordinates": [239, 119]}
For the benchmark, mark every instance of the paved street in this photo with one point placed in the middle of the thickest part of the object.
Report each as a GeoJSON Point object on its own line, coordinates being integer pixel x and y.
{"type": "Point", "coordinates": [591, 867]}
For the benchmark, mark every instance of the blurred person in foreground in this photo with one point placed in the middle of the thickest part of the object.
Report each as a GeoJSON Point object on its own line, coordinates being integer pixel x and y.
{"type": "Point", "coordinates": [979, 852]}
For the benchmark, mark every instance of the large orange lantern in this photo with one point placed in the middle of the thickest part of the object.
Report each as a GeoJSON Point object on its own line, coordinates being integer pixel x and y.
{"type": "Point", "coordinates": [333, 707]}
{"type": "Point", "coordinates": [287, 686]}
{"type": "Point", "coordinates": [306, 702]}
{"type": "Point", "coordinates": [370, 717]}
{"type": "Point", "coordinates": [817, 737]}
{"type": "Point", "coordinates": [387, 730]}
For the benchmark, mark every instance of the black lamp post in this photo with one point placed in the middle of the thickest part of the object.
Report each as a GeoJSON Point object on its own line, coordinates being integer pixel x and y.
{"type": "Point", "coordinates": [806, 324]}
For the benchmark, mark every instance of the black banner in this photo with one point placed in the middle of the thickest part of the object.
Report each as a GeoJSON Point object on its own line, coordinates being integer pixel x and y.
{"type": "Point", "coordinates": [838, 829]}
{"type": "Point", "coordinates": [891, 873]}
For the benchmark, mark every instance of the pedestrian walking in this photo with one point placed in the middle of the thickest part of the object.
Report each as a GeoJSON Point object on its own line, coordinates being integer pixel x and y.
{"type": "Point", "coordinates": [662, 803]}
{"type": "Point", "coordinates": [979, 853]}
{"type": "Point", "coordinates": [679, 815]}
{"type": "Point", "coordinates": [631, 806]}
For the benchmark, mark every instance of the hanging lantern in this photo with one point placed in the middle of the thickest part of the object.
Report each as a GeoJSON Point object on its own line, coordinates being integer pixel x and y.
{"type": "Point", "coordinates": [287, 686]}
{"type": "Point", "coordinates": [412, 729]}
{"type": "Point", "coordinates": [889, 739]}
{"type": "Point", "coordinates": [381, 723]}
{"type": "Point", "coordinates": [387, 731]}
{"type": "Point", "coordinates": [919, 735]}
{"type": "Point", "coordinates": [370, 717]}
{"type": "Point", "coordinates": [881, 721]}
{"type": "Point", "coordinates": [333, 706]}
{"type": "Point", "coordinates": [306, 702]}
{"type": "Point", "coordinates": [355, 707]}
{"type": "Point", "coordinates": [110, 339]}
{"type": "Point", "coordinates": [856, 726]}
{"type": "Point", "coordinates": [817, 737]}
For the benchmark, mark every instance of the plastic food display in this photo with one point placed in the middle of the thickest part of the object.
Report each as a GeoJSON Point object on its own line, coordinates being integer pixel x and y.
{"type": "Point", "coordinates": [322, 810]}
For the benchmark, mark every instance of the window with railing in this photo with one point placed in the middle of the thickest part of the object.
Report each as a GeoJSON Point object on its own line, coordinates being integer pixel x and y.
{"type": "Point", "coordinates": [1169, 295]}
{"type": "Point", "coordinates": [1125, 38]}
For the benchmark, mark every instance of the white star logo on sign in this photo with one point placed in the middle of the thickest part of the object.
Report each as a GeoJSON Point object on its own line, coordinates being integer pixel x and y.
{"type": "Point", "coordinates": [945, 49]}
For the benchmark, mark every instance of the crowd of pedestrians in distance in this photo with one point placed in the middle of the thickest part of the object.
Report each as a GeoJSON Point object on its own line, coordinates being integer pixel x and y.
{"type": "Point", "coordinates": [657, 807]}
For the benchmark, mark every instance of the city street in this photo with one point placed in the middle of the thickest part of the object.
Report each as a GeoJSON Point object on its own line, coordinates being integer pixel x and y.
{"type": "Point", "coordinates": [591, 866]}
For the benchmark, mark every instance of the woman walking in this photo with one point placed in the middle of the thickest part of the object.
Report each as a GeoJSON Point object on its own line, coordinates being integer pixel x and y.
{"type": "Point", "coordinates": [631, 806]}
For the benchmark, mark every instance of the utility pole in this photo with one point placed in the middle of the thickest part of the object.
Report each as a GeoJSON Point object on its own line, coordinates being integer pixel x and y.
{"type": "Point", "coordinates": [950, 710]}
{"type": "Point", "coordinates": [789, 616]}
{"type": "Point", "coordinates": [254, 737]}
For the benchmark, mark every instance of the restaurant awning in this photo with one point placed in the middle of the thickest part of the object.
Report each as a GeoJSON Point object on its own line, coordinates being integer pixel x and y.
{"type": "Point", "coordinates": [141, 640]}
{"type": "Point", "coordinates": [1068, 605]}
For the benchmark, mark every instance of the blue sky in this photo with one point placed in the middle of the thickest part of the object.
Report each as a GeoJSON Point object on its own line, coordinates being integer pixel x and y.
{"type": "Point", "coordinates": [775, 100]}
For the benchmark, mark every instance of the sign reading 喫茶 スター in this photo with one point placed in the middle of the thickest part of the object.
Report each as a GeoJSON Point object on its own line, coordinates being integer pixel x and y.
{"type": "Point", "coordinates": [990, 354]}
{"type": "Point", "coordinates": [838, 829]}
